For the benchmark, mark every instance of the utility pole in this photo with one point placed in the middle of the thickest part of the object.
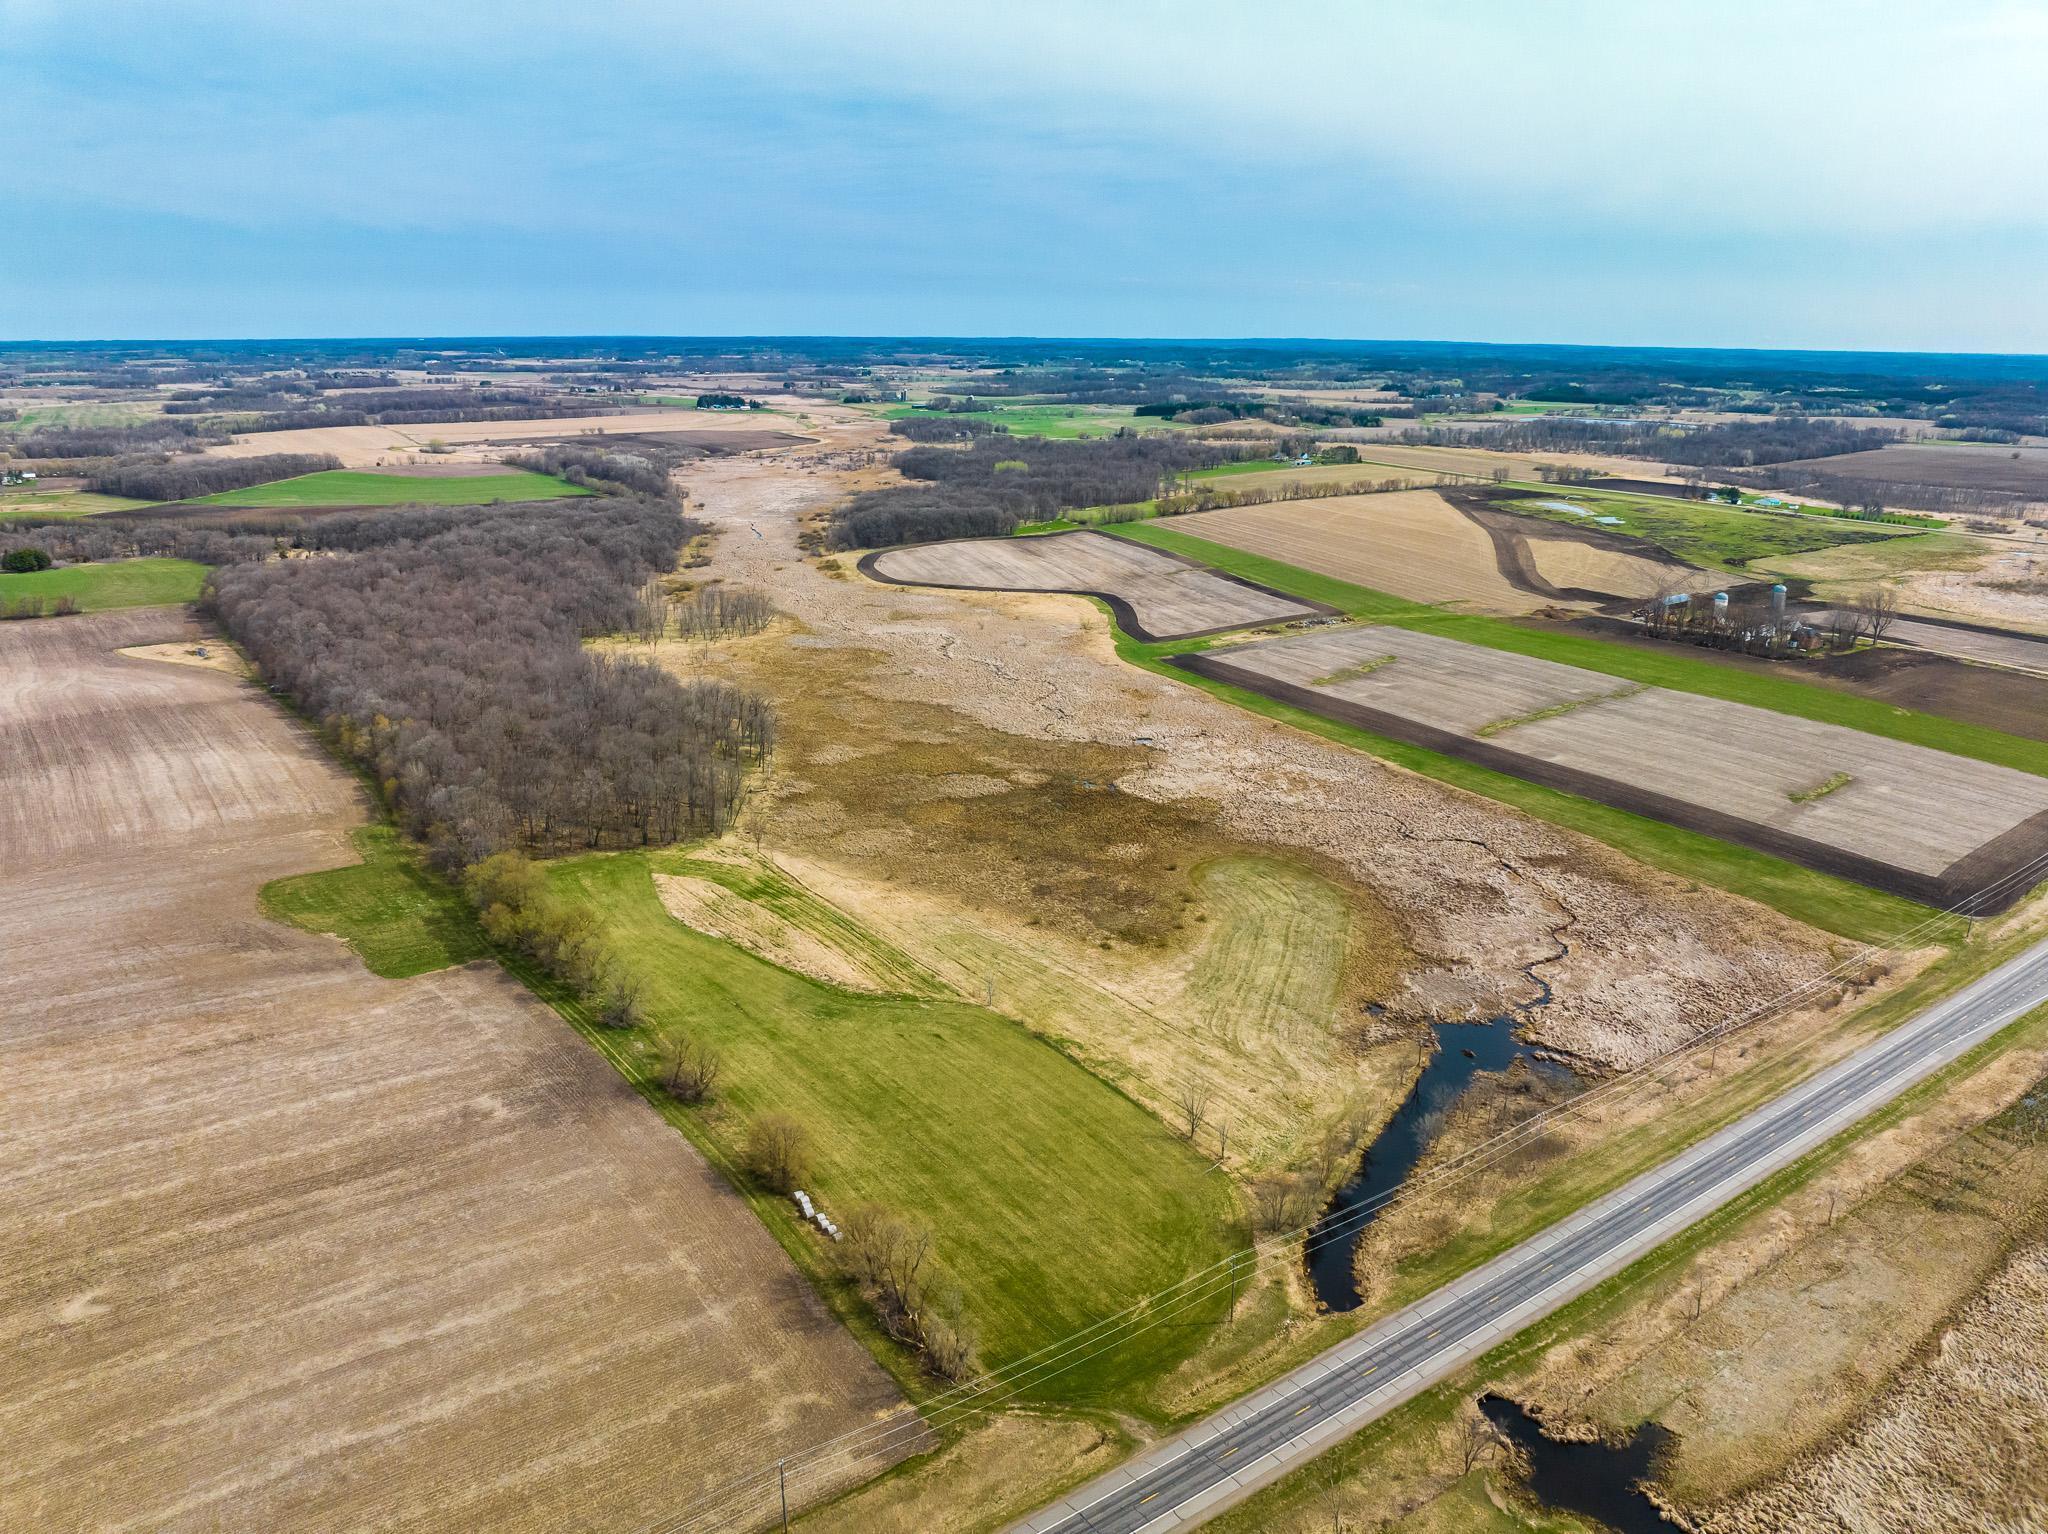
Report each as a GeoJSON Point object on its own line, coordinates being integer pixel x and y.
{"type": "Point", "coordinates": [782, 1484]}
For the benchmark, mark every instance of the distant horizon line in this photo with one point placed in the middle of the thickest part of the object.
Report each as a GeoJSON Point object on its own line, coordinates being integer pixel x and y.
{"type": "Point", "coordinates": [505, 338]}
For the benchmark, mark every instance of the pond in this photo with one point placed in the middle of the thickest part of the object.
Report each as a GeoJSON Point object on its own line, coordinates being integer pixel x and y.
{"type": "Point", "coordinates": [1595, 1480]}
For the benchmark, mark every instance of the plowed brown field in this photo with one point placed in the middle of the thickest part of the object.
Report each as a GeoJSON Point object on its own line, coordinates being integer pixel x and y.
{"type": "Point", "coordinates": [292, 1247]}
{"type": "Point", "coordinates": [1412, 543]}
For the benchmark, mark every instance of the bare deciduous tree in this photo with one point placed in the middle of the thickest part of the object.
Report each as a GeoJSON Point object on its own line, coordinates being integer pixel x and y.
{"type": "Point", "coordinates": [690, 1069]}
{"type": "Point", "coordinates": [1877, 608]}
{"type": "Point", "coordinates": [1192, 1098]}
{"type": "Point", "coordinates": [445, 655]}
{"type": "Point", "coordinates": [1478, 1439]}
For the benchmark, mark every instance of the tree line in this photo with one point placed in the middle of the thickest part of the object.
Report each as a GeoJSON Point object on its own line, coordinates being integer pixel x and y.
{"type": "Point", "coordinates": [1733, 444]}
{"type": "Point", "coordinates": [190, 478]}
{"type": "Point", "coordinates": [158, 436]}
{"type": "Point", "coordinates": [996, 482]}
{"type": "Point", "coordinates": [643, 472]}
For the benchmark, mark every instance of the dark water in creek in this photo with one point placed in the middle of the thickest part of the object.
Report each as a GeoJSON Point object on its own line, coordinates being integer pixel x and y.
{"type": "Point", "coordinates": [1463, 1051]}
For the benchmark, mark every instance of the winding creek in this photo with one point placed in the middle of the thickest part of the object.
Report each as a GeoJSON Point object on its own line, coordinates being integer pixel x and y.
{"type": "Point", "coordinates": [1598, 1480]}
{"type": "Point", "coordinates": [1463, 1050]}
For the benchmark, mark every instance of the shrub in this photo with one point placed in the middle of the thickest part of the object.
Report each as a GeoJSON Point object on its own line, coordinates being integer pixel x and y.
{"type": "Point", "coordinates": [779, 1152]}
{"type": "Point", "coordinates": [621, 1003]}
{"type": "Point", "coordinates": [23, 561]}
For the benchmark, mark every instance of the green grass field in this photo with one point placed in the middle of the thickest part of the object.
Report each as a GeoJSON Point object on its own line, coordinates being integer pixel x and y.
{"type": "Point", "coordinates": [356, 487]}
{"type": "Point", "coordinates": [17, 504]}
{"type": "Point", "coordinates": [95, 413]}
{"type": "Point", "coordinates": [1054, 1199]}
{"type": "Point", "coordinates": [1835, 905]}
{"type": "Point", "coordinates": [1242, 466]}
{"type": "Point", "coordinates": [1706, 533]}
{"type": "Point", "coordinates": [116, 583]}
{"type": "Point", "coordinates": [1049, 420]}
{"type": "Point", "coordinates": [394, 912]}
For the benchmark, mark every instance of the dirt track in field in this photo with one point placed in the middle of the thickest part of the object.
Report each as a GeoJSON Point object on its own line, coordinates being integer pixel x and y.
{"type": "Point", "coordinates": [292, 1247]}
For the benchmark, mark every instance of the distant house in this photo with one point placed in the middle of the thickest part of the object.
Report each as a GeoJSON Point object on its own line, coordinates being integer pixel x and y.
{"type": "Point", "coordinates": [1304, 461]}
{"type": "Point", "coordinates": [17, 476]}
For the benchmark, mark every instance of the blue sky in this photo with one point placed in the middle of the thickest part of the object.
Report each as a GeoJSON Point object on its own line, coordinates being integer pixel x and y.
{"type": "Point", "coordinates": [1853, 175]}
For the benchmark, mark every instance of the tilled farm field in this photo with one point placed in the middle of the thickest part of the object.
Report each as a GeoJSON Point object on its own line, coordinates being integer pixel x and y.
{"type": "Point", "coordinates": [1962, 465]}
{"type": "Point", "coordinates": [1898, 816]}
{"type": "Point", "coordinates": [367, 446]}
{"type": "Point", "coordinates": [1155, 595]}
{"type": "Point", "coordinates": [293, 1247]}
{"type": "Point", "coordinates": [1412, 543]}
{"type": "Point", "coordinates": [1441, 546]}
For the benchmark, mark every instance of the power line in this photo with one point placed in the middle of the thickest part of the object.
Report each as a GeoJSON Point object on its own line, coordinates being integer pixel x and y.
{"type": "Point", "coordinates": [1067, 1353]}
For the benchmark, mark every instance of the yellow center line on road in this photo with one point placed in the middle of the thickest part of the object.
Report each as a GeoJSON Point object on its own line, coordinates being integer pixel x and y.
{"type": "Point", "coordinates": [1147, 1498]}
{"type": "Point", "coordinates": [1303, 1409]}
{"type": "Point", "coordinates": [1433, 1335]}
{"type": "Point", "coordinates": [1230, 1451]}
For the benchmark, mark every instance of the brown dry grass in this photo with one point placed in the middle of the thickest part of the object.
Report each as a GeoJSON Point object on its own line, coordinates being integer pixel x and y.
{"type": "Point", "coordinates": [1483, 462]}
{"type": "Point", "coordinates": [1014, 870]}
{"type": "Point", "coordinates": [294, 1247]}
{"type": "Point", "coordinates": [1568, 562]}
{"type": "Point", "coordinates": [1004, 1468]}
{"type": "Point", "coordinates": [1764, 1348]}
{"type": "Point", "coordinates": [1474, 889]}
{"type": "Point", "coordinates": [1954, 1448]}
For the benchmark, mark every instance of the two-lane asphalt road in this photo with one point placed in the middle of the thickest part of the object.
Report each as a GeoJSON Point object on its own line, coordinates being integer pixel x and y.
{"type": "Point", "coordinates": [1180, 1481]}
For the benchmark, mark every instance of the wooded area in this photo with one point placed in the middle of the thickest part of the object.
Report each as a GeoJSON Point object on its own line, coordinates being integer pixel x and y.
{"type": "Point", "coordinates": [445, 656]}
{"type": "Point", "coordinates": [996, 482]}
